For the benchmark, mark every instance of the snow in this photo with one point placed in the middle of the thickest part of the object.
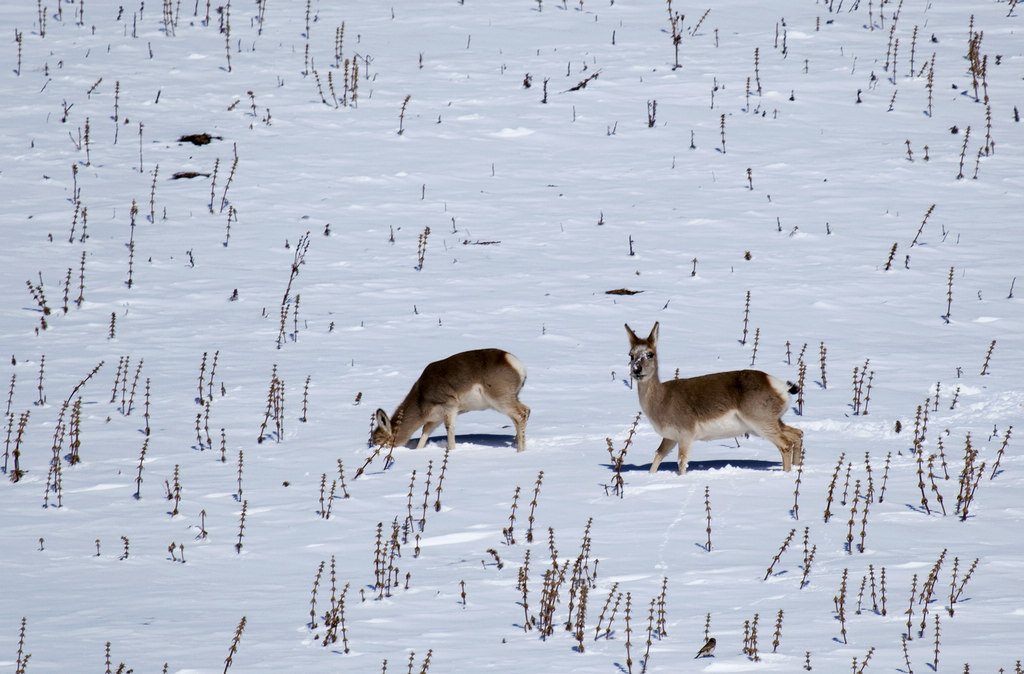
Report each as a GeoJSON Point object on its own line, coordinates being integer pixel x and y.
{"type": "Point", "coordinates": [536, 209]}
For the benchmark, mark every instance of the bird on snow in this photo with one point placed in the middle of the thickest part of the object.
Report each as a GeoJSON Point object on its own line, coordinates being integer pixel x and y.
{"type": "Point", "coordinates": [708, 650]}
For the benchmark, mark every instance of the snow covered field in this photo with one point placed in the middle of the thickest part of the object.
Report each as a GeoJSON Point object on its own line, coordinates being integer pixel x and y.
{"type": "Point", "coordinates": [836, 185]}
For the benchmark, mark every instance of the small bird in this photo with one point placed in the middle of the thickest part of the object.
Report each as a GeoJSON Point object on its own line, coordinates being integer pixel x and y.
{"type": "Point", "coordinates": [708, 650]}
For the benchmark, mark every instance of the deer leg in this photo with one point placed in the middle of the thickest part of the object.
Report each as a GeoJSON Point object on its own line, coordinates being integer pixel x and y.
{"type": "Point", "coordinates": [428, 427]}
{"type": "Point", "coordinates": [786, 448]}
{"type": "Point", "coordinates": [519, 416]}
{"type": "Point", "coordinates": [518, 413]}
{"type": "Point", "coordinates": [788, 441]}
{"type": "Point", "coordinates": [449, 424]}
{"type": "Point", "coordinates": [787, 455]}
{"type": "Point", "coordinates": [663, 449]}
{"type": "Point", "coordinates": [684, 456]}
{"type": "Point", "coordinates": [796, 440]}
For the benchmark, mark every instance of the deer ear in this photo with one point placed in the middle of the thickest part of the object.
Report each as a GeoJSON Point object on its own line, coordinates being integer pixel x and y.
{"type": "Point", "coordinates": [653, 337]}
{"type": "Point", "coordinates": [382, 420]}
{"type": "Point", "coordinates": [631, 334]}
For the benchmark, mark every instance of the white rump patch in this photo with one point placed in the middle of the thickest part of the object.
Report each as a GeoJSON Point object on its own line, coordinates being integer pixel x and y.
{"type": "Point", "coordinates": [516, 365]}
{"type": "Point", "coordinates": [781, 387]}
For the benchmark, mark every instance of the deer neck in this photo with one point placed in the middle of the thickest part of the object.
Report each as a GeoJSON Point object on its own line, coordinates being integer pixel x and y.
{"type": "Point", "coordinates": [405, 421]}
{"type": "Point", "coordinates": [650, 389]}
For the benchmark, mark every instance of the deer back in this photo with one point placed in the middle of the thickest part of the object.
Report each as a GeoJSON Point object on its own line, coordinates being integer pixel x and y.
{"type": "Point", "coordinates": [466, 381]}
{"type": "Point", "coordinates": [752, 393]}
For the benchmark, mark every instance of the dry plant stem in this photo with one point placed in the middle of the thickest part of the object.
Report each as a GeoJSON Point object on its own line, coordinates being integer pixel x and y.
{"type": "Point", "coordinates": [864, 521]}
{"type": "Point", "coordinates": [440, 481]}
{"type": "Point", "coordinates": [509, 531]}
{"type": "Point", "coordinates": [21, 660]}
{"type": "Point", "coordinates": [840, 602]}
{"type": "Point", "coordinates": [988, 356]}
{"type": "Point", "coordinates": [305, 400]}
{"type": "Point", "coordinates": [213, 182]}
{"type": "Point", "coordinates": [963, 152]}
{"type": "Point", "coordinates": [778, 632]}
{"type": "Point", "coordinates": [153, 195]}
{"type": "Point", "coordinates": [132, 212]}
{"type": "Point", "coordinates": [604, 610]}
{"type": "Point", "coordinates": [138, 479]}
{"type": "Point", "coordinates": [954, 590]}
{"type": "Point", "coordinates": [312, 601]}
{"type": "Point", "coordinates": [40, 298]}
{"type": "Point", "coordinates": [892, 254]}
{"type": "Point", "coordinates": [231, 175]}
{"type": "Point", "coordinates": [662, 618]}
{"type": "Point", "coordinates": [782, 549]}
{"type": "Point", "coordinates": [650, 631]}
{"type": "Point", "coordinates": [629, 657]}
{"type": "Point", "coordinates": [753, 654]}
{"type": "Point", "coordinates": [906, 654]}
{"type": "Point", "coordinates": [533, 507]}
{"type": "Point", "coordinates": [920, 482]}
{"type": "Point", "coordinates": [935, 487]}
{"type": "Point", "coordinates": [927, 590]}
{"type": "Point", "coordinates": [969, 478]}
{"type": "Point", "coordinates": [923, 222]}
{"type": "Point", "coordinates": [301, 248]}
{"type": "Point", "coordinates": [881, 592]}
{"type": "Point", "coordinates": [796, 492]}
{"type": "Point", "coordinates": [421, 249]}
{"type": "Point", "coordinates": [618, 483]}
{"type": "Point", "coordinates": [757, 70]}
{"type": "Point", "coordinates": [408, 506]}
{"type": "Point", "coordinates": [241, 526]}
{"type": "Point", "coordinates": [401, 115]}
{"type": "Point", "coordinates": [995, 467]}
{"type": "Point", "coordinates": [853, 517]}
{"type": "Point", "coordinates": [949, 296]}
{"type": "Point", "coordinates": [823, 352]}
{"type": "Point", "coordinates": [808, 559]}
{"type": "Point", "coordinates": [275, 408]}
{"type": "Point", "coordinates": [18, 40]}
{"type": "Point", "coordinates": [233, 649]}
{"type": "Point", "coordinates": [523, 578]}
{"type": "Point", "coordinates": [956, 397]}
{"type": "Point", "coordinates": [832, 487]}
{"type": "Point", "coordinates": [675, 21]}
{"type": "Point", "coordinates": [801, 375]}
{"type": "Point", "coordinates": [227, 37]}
{"type": "Point", "coordinates": [707, 510]}
{"type": "Point", "coordinates": [746, 318]}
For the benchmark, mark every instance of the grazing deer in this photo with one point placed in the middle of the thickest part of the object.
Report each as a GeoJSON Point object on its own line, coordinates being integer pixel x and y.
{"type": "Point", "coordinates": [712, 406]}
{"type": "Point", "coordinates": [484, 379]}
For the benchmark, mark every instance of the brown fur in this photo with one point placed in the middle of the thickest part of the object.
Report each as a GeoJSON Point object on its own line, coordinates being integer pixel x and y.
{"type": "Point", "coordinates": [711, 406]}
{"type": "Point", "coordinates": [471, 380]}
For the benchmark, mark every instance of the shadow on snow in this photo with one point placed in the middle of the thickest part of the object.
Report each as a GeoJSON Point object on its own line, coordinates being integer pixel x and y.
{"type": "Point", "coordinates": [701, 466]}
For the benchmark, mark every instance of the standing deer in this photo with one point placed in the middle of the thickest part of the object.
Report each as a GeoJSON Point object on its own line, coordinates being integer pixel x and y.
{"type": "Point", "coordinates": [484, 379]}
{"type": "Point", "coordinates": [711, 406]}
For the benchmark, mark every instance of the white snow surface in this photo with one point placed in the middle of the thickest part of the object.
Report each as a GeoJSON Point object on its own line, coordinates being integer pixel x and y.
{"type": "Point", "coordinates": [795, 145]}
